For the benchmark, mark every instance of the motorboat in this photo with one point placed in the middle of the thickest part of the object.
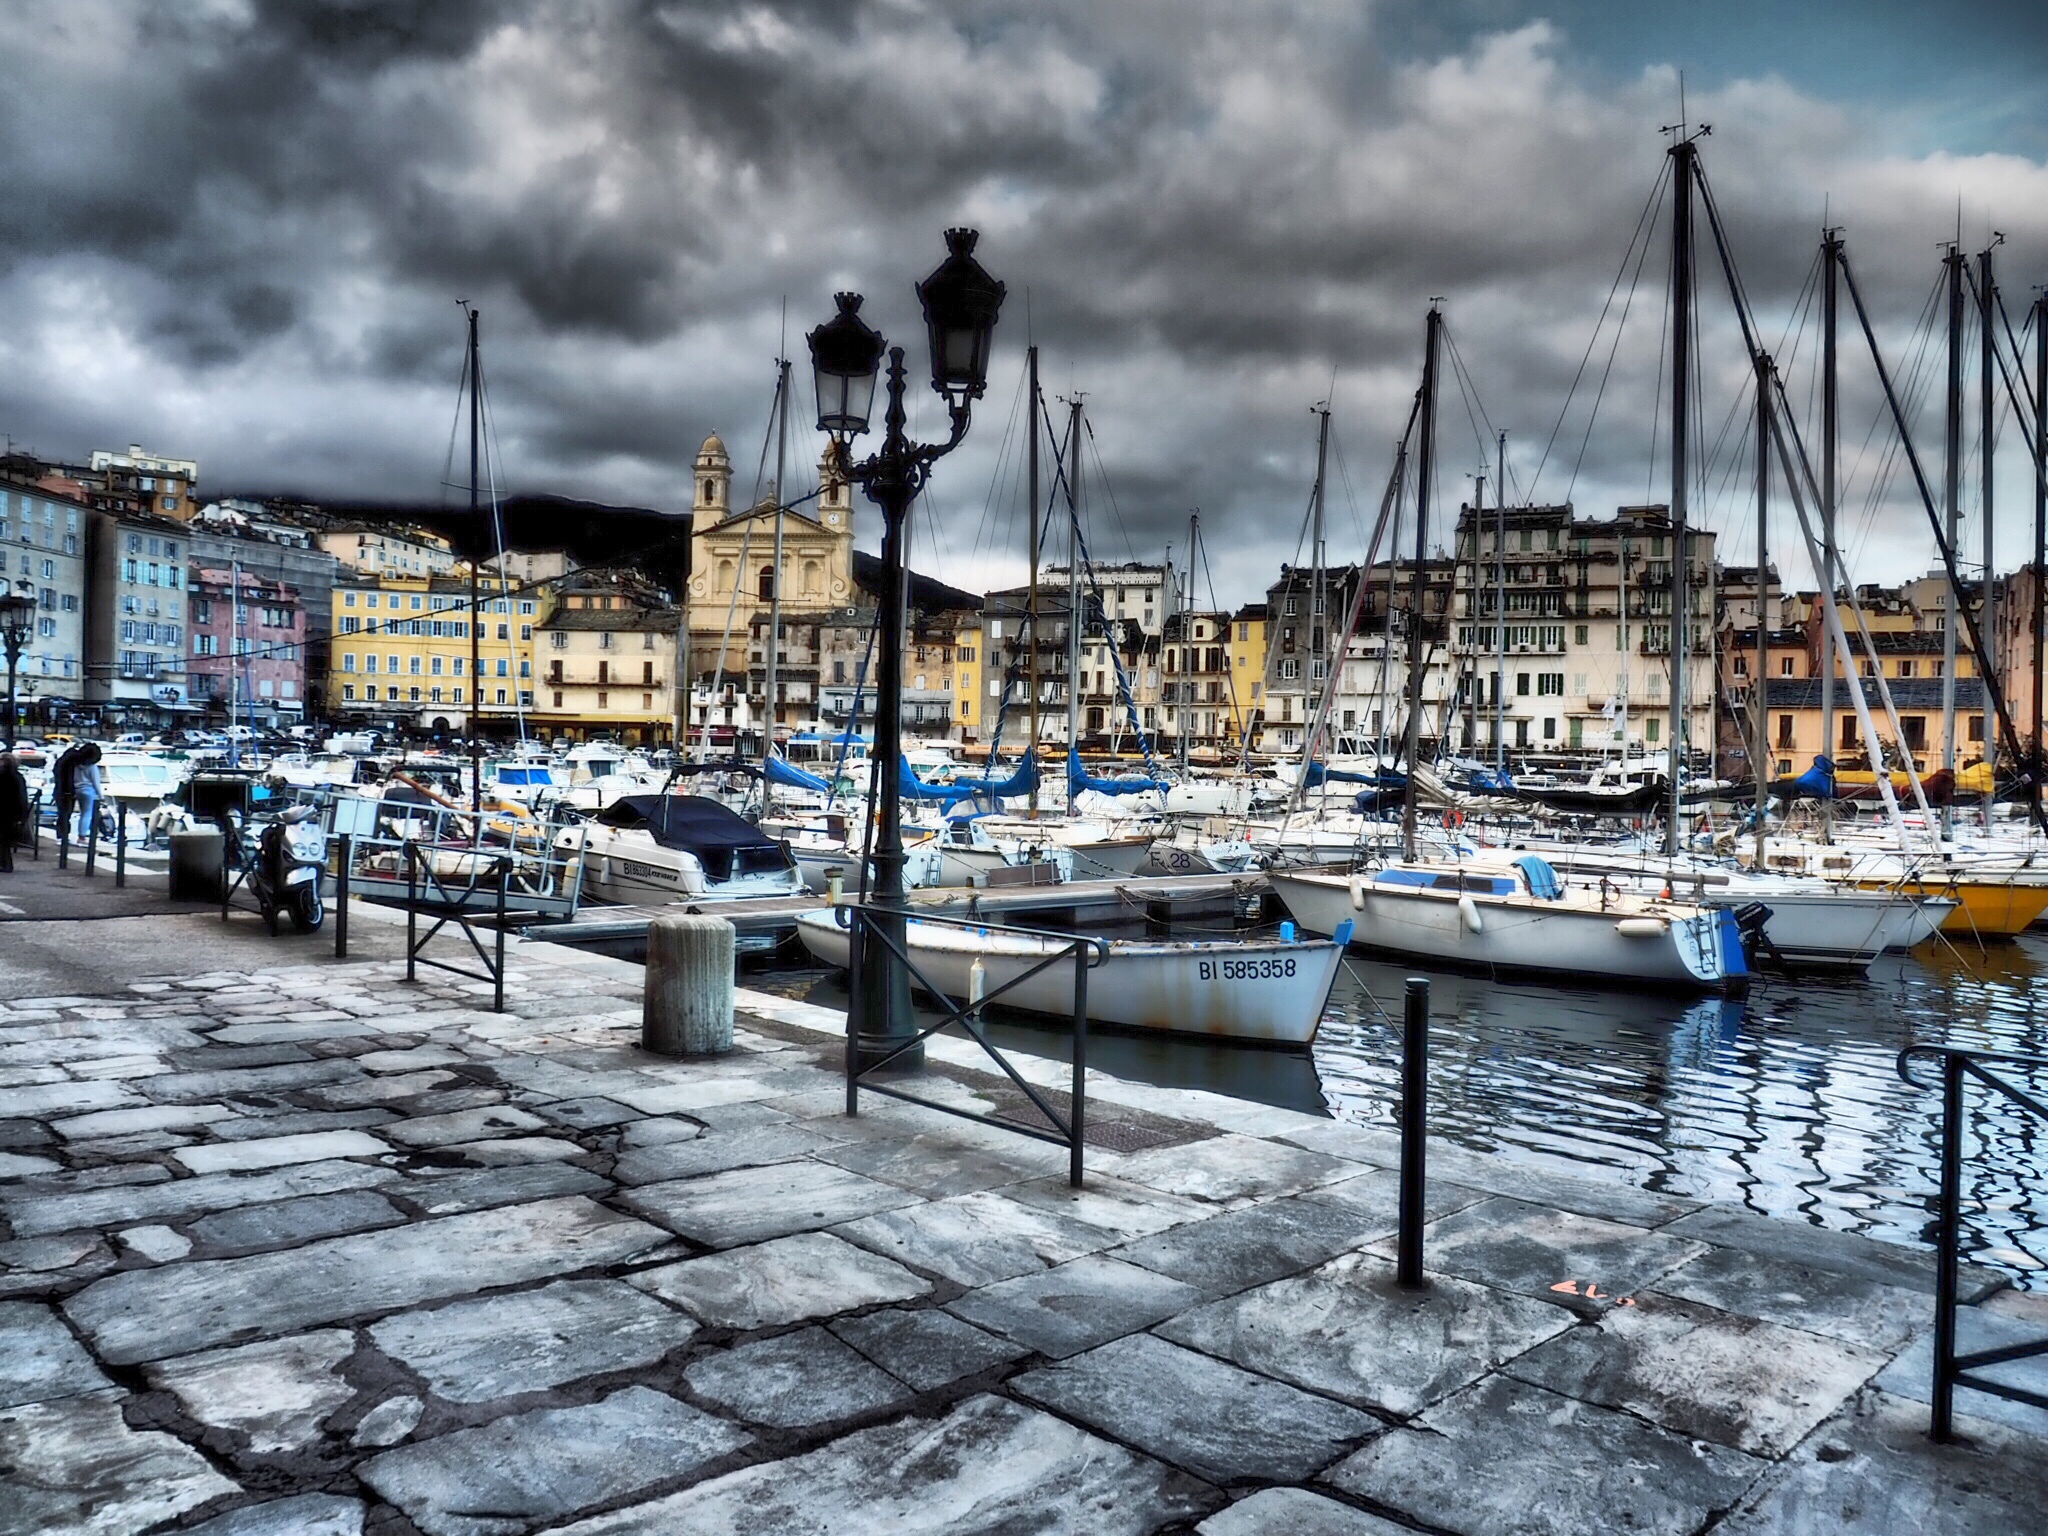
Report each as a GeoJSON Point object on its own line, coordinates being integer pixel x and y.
{"type": "Point", "coordinates": [1512, 914]}
{"type": "Point", "coordinates": [315, 770]}
{"type": "Point", "coordinates": [656, 848]}
{"type": "Point", "coordinates": [1262, 991]}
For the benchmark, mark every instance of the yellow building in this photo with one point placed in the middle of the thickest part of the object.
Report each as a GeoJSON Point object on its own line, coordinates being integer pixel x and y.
{"type": "Point", "coordinates": [1247, 648]}
{"type": "Point", "coordinates": [967, 675]}
{"type": "Point", "coordinates": [732, 560]}
{"type": "Point", "coordinates": [401, 651]}
{"type": "Point", "coordinates": [607, 651]}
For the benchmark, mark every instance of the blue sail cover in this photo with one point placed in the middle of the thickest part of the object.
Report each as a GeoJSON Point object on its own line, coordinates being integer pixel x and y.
{"type": "Point", "coordinates": [1078, 780]}
{"type": "Point", "coordinates": [1022, 782]}
{"type": "Point", "coordinates": [1322, 773]}
{"type": "Point", "coordinates": [1818, 782]}
{"type": "Point", "coordinates": [779, 771]}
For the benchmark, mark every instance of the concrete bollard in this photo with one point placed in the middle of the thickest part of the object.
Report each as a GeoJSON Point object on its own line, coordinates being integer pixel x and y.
{"type": "Point", "coordinates": [688, 1003]}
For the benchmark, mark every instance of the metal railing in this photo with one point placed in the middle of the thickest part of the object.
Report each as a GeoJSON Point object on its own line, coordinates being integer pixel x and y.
{"type": "Point", "coordinates": [863, 927]}
{"type": "Point", "coordinates": [544, 870]}
{"type": "Point", "coordinates": [427, 894]}
{"type": "Point", "coordinates": [1952, 1370]}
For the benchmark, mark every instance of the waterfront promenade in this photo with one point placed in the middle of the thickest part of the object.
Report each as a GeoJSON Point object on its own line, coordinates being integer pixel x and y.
{"type": "Point", "coordinates": [293, 1247]}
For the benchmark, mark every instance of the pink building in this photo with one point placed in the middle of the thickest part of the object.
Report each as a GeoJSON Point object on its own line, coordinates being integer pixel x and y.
{"type": "Point", "coordinates": [263, 640]}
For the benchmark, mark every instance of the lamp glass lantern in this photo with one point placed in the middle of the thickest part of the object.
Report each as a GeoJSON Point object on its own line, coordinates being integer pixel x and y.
{"type": "Point", "coordinates": [17, 615]}
{"type": "Point", "coordinates": [961, 302]}
{"type": "Point", "coordinates": [846, 355]}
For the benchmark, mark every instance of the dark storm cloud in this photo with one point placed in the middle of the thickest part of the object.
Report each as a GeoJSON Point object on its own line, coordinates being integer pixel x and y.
{"type": "Point", "coordinates": [237, 230]}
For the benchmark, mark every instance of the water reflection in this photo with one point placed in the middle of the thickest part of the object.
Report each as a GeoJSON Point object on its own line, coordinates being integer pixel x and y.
{"type": "Point", "coordinates": [1786, 1102]}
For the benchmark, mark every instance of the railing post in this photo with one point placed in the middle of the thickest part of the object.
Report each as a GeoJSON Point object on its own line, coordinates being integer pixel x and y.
{"type": "Point", "coordinates": [498, 945]}
{"type": "Point", "coordinates": [120, 847]}
{"type": "Point", "coordinates": [412, 910]}
{"type": "Point", "coordinates": [854, 936]}
{"type": "Point", "coordinates": [341, 871]}
{"type": "Point", "coordinates": [1077, 1110]}
{"type": "Point", "coordinates": [91, 825]}
{"type": "Point", "coordinates": [1414, 1131]}
{"type": "Point", "coordinates": [230, 855]}
{"type": "Point", "coordinates": [1947, 1240]}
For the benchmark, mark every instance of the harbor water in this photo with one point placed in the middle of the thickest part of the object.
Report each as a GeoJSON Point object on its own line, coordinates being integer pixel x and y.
{"type": "Point", "coordinates": [1786, 1102]}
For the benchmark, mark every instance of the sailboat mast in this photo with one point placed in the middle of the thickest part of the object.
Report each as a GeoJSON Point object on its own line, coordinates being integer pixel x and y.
{"type": "Point", "coordinates": [1187, 641]}
{"type": "Point", "coordinates": [476, 607]}
{"type": "Point", "coordinates": [1500, 609]}
{"type": "Point", "coordinates": [1987, 427]}
{"type": "Point", "coordinates": [1952, 488]}
{"type": "Point", "coordinates": [771, 711]}
{"type": "Point", "coordinates": [1683, 171]}
{"type": "Point", "coordinates": [1032, 412]}
{"type": "Point", "coordinates": [2040, 523]}
{"type": "Point", "coordinates": [1425, 466]}
{"type": "Point", "coordinates": [1830, 434]}
{"type": "Point", "coordinates": [1318, 676]}
{"type": "Point", "coordinates": [1760, 752]}
{"type": "Point", "coordinates": [1074, 574]}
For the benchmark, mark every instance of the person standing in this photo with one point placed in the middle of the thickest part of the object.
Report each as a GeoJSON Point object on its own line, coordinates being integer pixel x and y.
{"type": "Point", "coordinates": [87, 783]}
{"type": "Point", "coordinates": [13, 809]}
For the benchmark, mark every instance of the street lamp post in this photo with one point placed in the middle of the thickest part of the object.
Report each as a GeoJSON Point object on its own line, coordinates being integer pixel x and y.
{"type": "Point", "coordinates": [961, 302]}
{"type": "Point", "coordinates": [17, 623]}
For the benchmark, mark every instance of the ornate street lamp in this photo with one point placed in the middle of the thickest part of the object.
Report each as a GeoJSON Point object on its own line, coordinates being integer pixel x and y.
{"type": "Point", "coordinates": [17, 623]}
{"type": "Point", "coordinates": [961, 302]}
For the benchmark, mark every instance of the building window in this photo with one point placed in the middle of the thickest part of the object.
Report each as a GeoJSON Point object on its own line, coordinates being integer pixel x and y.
{"type": "Point", "coordinates": [603, 699]}
{"type": "Point", "coordinates": [1784, 730]}
{"type": "Point", "coordinates": [558, 699]}
{"type": "Point", "coordinates": [348, 691]}
{"type": "Point", "coordinates": [1786, 667]}
{"type": "Point", "coordinates": [1652, 729]}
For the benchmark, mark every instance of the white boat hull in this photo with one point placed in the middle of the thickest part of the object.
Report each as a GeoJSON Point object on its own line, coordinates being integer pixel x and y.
{"type": "Point", "coordinates": [1626, 946]}
{"type": "Point", "coordinates": [1266, 993]}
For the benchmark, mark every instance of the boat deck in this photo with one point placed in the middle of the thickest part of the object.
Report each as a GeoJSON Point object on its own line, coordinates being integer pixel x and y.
{"type": "Point", "coordinates": [764, 922]}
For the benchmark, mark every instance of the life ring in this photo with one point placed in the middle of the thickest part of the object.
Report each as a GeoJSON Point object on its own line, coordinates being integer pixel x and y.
{"type": "Point", "coordinates": [1453, 820]}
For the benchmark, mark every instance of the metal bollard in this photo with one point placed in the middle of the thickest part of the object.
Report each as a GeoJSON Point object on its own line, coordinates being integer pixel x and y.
{"type": "Point", "coordinates": [63, 842]}
{"type": "Point", "coordinates": [341, 869]}
{"type": "Point", "coordinates": [1414, 1131]}
{"type": "Point", "coordinates": [120, 849]}
{"type": "Point", "coordinates": [91, 824]}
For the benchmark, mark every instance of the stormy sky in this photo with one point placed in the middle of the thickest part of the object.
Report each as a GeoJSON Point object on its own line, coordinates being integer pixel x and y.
{"type": "Point", "coordinates": [236, 230]}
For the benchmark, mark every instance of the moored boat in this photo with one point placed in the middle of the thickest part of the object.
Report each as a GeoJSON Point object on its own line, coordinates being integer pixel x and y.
{"type": "Point", "coordinates": [1261, 991]}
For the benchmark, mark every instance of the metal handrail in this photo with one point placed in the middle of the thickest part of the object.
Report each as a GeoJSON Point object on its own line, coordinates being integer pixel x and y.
{"type": "Point", "coordinates": [1086, 953]}
{"type": "Point", "coordinates": [1952, 1370]}
{"type": "Point", "coordinates": [453, 907]}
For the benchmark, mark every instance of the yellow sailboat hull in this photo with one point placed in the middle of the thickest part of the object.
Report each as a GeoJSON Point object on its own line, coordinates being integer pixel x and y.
{"type": "Point", "coordinates": [1990, 909]}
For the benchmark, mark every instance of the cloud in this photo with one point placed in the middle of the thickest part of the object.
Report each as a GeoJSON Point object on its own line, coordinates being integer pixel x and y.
{"type": "Point", "coordinates": [236, 230]}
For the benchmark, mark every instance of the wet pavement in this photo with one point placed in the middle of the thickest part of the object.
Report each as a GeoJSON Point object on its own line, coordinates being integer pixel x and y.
{"type": "Point", "coordinates": [294, 1246]}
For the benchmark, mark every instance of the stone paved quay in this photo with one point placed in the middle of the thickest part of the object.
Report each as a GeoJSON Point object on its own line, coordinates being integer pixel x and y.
{"type": "Point", "coordinates": [294, 1248]}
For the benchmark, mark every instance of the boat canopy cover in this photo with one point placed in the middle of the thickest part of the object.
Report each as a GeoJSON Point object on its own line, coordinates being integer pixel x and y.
{"type": "Point", "coordinates": [1321, 773]}
{"type": "Point", "coordinates": [778, 771]}
{"type": "Point", "coordinates": [1078, 780]}
{"type": "Point", "coordinates": [1543, 881]}
{"type": "Point", "coordinates": [525, 774]}
{"type": "Point", "coordinates": [843, 739]}
{"type": "Point", "coordinates": [1447, 880]}
{"type": "Point", "coordinates": [688, 822]}
{"type": "Point", "coordinates": [1818, 782]}
{"type": "Point", "coordinates": [1022, 782]}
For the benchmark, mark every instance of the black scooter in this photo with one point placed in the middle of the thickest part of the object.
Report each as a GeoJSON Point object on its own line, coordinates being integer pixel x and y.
{"type": "Point", "coordinates": [291, 857]}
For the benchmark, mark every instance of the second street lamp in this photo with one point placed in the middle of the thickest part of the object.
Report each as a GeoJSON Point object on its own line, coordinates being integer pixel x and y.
{"type": "Point", "coordinates": [17, 623]}
{"type": "Point", "coordinates": [961, 302]}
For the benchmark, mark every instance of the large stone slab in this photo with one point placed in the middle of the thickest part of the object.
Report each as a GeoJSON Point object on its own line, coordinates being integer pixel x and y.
{"type": "Point", "coordinates": [1075, 1306]}
{"type": "Point", "coordinates": [1873, 1471]}
{"type": "Point", "coordinates": [290, 1222]}
{"type": "Point", "coordinates": [687, 1157]}
{"type": "Point", "coordinates": [939, 1165]}
{"type": "Point", "coordinates": [33, 1215]}
{"type": "Point", "coordinates": [73, 1467]}
{"type": "Point", "coordinates": [547, 1465]}
{"type": "Point", "coordinates": [310, 1514]}
{"type": "Point", "coordinates": [146, 1117]}
{"type": "Point", "coordinates": [39, 1359]}
{"type": "Point", "coordinates": [1347, 1331]}
{"type": "Point", "coordinates": [979, 1239]}
{"type": "Point", "coordinates": [675, 1098]}
{"type": "Point", "coordinates": [789, 1280]}
{"type": "Point", "coordinates": [1217, 1421]}
{"type": "Point", "coordinates": [1854, 1308]}
{"type": "Point", "coordinates": [1504, 1456]}
{"type": "Point", "coordinates": [478, 1189]}
{"type": "Point", "coordinates": [526, 1341]}
{"type": "Point", "coordinates": [1113, 1204]}
{"type": "Point", "coordinates": [1580, 1261]}
{"type": "Point", "coordinates": [1297, 1512]}
{"type": "Point", "coordinates": [1606, 1199]}
{"type": "Point", "coordinates": [1845, 1253]}
{"type": "Point", "coordinates": [1243, 1248]}
{"type": "Point", "coordinates": [261, 1082]}
{"type": "Point", "coordinates": [40, 1101]}
{"type": "Point", "coordinates": [153, 1314]}
{"type": "Point", "coordinates": [280, 1151]}
{"type": "Point", "coordinates": [275, 1391]}
{"type": "Point", "coordinates": [464, 1125]}
{"type": "Point", "coordinates": [793, 1381]}
{"type": "Point", "coordinates": [987, 1466]}
{"type": "Point", "coordinates": [926, 1349]}
{"type": "Point", "coordinates": [1228, 1169]}
{"type": "Point", "coordinates": [1703, 1373]}
{"type": "Point", "coordinates": [749, 1205]}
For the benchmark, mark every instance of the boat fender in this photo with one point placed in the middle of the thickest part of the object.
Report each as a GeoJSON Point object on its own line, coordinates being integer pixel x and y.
{"type": "Point", "coordinates": [1468, 914]}
{"type": "Point", "coordinates": [1641, 927]}
{"type": "Point", "coordinates": [1357, 894]}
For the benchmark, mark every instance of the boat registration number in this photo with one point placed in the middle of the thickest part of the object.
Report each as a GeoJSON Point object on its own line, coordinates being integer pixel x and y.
{"type": "Point", "coordinates": [644, 871]}
{"type": "Point", "coordinates": [1247, 970]}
